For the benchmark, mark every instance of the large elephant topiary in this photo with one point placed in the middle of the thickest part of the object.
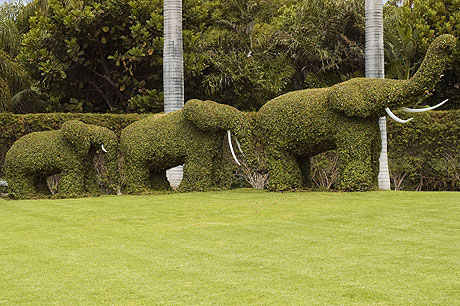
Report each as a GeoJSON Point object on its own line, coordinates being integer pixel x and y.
{"type": "Point", "coordinates": [298, 125]}
{"type": "Point", "coordinates": [152, 145]}
{"type": "Point", "coordinates": [67, 151]}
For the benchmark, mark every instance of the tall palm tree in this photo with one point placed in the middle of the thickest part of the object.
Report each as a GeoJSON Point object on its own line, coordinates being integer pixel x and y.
{"type": "Point", "coordinates": [173, 69]}
{"type": "Point", "coordinates": [12, 76]}
{"type": "Point", "coordinates": [374, 59]}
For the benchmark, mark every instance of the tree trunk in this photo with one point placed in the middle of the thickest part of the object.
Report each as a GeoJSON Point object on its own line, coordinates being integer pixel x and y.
{"type": "Point", "coordinates": [173, 70]}
{"type": "Point", "coordinates": [374, 58]}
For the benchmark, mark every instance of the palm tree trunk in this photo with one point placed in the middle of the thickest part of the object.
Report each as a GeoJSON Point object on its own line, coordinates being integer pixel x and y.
{"type": "Point", "coordinates": [173, 70]}
{"type": "Point", "coordinates": [375, 69]}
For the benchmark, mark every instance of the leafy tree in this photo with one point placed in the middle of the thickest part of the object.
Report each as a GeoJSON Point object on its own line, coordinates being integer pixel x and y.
{"type": "Point", "coordinates": [324, 39]}
{"type": "Point", "coordinates": [97, 55]}
{"type": "Point", "coordinates": [410, 27]}
{"type": "Point", "coordinates": [245, 65]}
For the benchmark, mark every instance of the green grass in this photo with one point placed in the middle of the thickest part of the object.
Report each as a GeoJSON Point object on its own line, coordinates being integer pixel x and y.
{"type": "Point", "coordinates": [239, 247]}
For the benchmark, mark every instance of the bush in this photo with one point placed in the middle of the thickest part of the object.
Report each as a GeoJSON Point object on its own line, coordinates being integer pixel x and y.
{"type": "Point", "coordinates": [12, 127]}
{"type": "Point", "coordinates": [424, 154]}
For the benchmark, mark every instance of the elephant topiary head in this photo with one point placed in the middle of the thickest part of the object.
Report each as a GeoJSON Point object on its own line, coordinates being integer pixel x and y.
{"type": "Point", "coordinates": [364, 97]}
{"type": "Point", "coordinates": [209, 115]}
{"type": "Point", "coordinates": [85, 136]}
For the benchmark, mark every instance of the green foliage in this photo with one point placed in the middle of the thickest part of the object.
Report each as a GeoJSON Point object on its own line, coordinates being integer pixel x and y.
{"type": "Point", "coordinates": [415, 24]}
{"type": "Point", "coordinates": [324, 38]}
{"type": "Point", "coordinates": [12, 76]}
{"type": "Point", "coordinates": [424, 154]}
{"type": "Point", "coordinates": [5, 96]}
{"type": "Point", "coordinates": [38, 155]}
{"type": "Point", "coordinates": [298, 125]}
{"type": "Point", "coordinates": [106, 56]}
{"type": "Point", "coordinates": [245, 65]}
{"type": "Point", "coordinates": [96, 55]}
{"type": "Point", "coordinates": [152, 145]}
{"type": "Point", "coordinates": [13, 127]}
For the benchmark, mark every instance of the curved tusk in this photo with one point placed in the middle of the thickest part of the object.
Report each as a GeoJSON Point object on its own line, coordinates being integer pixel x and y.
{"type": "Point", "coordinates": [103, 149]}
{"type": "Point", "coordinates": [421, 110]}
{"type": "Point", "coordinates": [238, 145]}
{"type": "Point", "coordinates": [231, 147]}
{"type": "Point", "coordinates": [393, 116]}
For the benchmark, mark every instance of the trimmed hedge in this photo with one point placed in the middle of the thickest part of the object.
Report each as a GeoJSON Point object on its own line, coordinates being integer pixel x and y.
{"type": "Point", "coordinates": [159, 142]}
{"type": "Point", "coordinates": [5, 96]}
{"type": "Point", "coordinates": [12, 127]}
{"type": "Point", "coordinates": [68, 152]}
{"type": "Point", "coordinates": [424, 154]}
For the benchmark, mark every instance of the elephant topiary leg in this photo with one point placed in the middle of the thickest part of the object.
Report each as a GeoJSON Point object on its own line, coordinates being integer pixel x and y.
{"type": "Point", "coordinates": [159, 181]}
{"type": "Point", "coordinates": [356, 169]}
{"type": "Point", "coordinates": [137, 177]}
{"type": "Point", "coordinates": [21, 185]}
{"type": "Point", "coordinates": [72, 183]}
{"type": "Point", "coordinates": [221, 171]}
{"type": "Point", "coordinates": [91, 183]}
{"type": "Point", "coordinates": [197, 173]}
{"type": "Point", "coordinates": [304, 163]}
{"type": "Point", "coordinates": [283, 171]}
{"type": "Point", "coordinates": [376, 148]}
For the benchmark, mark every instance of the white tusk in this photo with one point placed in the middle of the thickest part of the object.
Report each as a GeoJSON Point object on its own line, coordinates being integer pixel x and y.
{"type": "Point", "coordinates": [393, 116]}
{"type": "Point", "coordinates": [103, 149]}
{"type": "Point", "coordinates": [239, 146]}
{"type": "Point", "coordinates": [421, 110]}
{"type": "Point", "coordinates": [231, 147]}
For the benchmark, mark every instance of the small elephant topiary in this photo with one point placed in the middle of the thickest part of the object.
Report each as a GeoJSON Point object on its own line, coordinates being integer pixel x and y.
{"type": "Point", "coordinates": [296, 126]}
{"type": "Point", "coordinates": [159, 142]}
{"type": "Point", "coordinates": [67, 151]}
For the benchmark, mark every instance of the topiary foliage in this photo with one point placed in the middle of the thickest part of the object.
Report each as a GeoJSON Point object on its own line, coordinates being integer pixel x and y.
{"type": "Point", "coordinates": [159, 142]}
{"type": "Point", "coordinates": [67, 151]}
{"type": "Point", "coordinates": [296, 126]}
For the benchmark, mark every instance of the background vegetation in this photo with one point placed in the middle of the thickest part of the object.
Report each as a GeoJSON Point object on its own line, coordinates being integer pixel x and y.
{"type": "Point", "coordinates": [106, 56]}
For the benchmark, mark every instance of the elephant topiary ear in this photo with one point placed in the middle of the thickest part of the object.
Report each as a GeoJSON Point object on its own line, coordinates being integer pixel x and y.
{"type": "Point", "coordinates": [350, 97]}
{"type": "Point", "coordinates": [209, 115]}
{"type": "Point", "coordinates": [78, 133]}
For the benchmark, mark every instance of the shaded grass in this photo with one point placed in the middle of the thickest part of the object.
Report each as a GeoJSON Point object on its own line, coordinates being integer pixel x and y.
{"type": "Point", "coordinates": [241, 247]}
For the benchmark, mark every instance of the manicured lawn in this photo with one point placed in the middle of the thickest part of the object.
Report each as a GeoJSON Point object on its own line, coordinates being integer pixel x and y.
{"type": "Point", "coordinates": [240, 247]}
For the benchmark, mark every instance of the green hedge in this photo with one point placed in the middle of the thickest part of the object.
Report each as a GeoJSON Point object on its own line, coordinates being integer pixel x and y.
{"type": "Point", "coordinates": [67, 152]}
{"type": "Point", "coordinates": [12, 127]}
{"type": "Point", "coordinates": [159, 142]}
{"type": "Point", "coordinates": [424, 154]}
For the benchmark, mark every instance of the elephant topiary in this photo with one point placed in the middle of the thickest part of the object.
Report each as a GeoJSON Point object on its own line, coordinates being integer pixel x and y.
{"type": "Point", "coordinates": [298, 125]}
{"type": "Point", "coordinates": [152, 145]}
{"type": "Point", "coordinates": [67, 151]}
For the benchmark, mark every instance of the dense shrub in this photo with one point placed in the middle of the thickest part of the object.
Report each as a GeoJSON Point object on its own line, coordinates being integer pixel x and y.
{"type": "Point", "coordinates": [68, 152]}
{"type": "Point", "coordinates": [152, 145]}
{"type": "Point", "coordinates": [298, 125]}
{"type": "Point", "coordinates": [12, 127]}
{"type": "Point", "coordinates": [424, 154]}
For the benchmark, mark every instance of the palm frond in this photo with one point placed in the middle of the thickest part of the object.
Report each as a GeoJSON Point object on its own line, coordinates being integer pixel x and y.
{"type": "Point", "coordinates": [13, 73]}
{"type": "Point", "coordinates": [10, 39]}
